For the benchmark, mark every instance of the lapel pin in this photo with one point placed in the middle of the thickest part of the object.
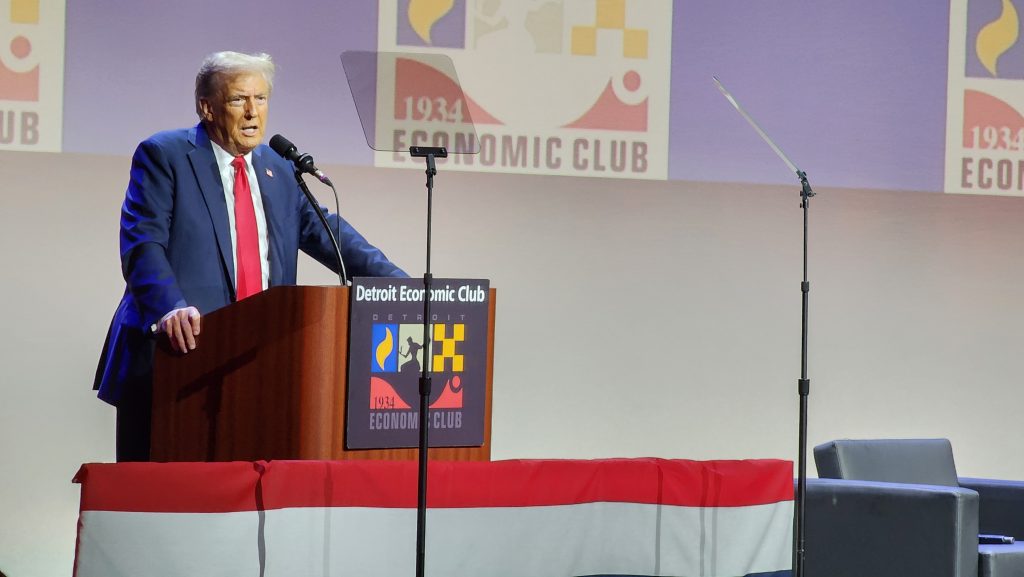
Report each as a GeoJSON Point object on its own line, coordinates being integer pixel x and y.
{"type": "Point", "coordinates": [270, 173]}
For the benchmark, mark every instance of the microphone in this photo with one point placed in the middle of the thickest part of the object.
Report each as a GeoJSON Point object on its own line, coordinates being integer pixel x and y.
{"type": "Point", "coordinates": [302, 162]}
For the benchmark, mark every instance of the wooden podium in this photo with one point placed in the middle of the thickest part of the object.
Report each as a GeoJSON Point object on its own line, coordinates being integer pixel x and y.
{"type": "Point", "coordinates": [268, 381]}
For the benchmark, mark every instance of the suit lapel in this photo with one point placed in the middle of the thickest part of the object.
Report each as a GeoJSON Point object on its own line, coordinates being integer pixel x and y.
{"type": "Point", "coordinates": [204, 164]}
{"type": "Point", "coordinates": [270, 189]}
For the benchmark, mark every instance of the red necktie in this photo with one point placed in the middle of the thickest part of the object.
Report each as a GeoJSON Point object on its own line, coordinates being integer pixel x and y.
{"type": "Point", "coordinates": [248, 276]}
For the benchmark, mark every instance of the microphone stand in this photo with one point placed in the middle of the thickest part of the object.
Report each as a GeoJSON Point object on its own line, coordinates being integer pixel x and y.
{"type": "Point", "coordinates": [429, 153]}
{"type": "Point", "coordinates": [804, 390]}
{"type": "Point", "coordinates": [323, 221]}
{"type": "Point", "coordinates": [803, 384]}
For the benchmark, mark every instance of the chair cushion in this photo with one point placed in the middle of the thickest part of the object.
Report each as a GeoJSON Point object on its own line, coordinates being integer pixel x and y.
{"type": "Point", "coordinates": [1001, 560]}
{"type": "Point", "coordinates": [921, 461]}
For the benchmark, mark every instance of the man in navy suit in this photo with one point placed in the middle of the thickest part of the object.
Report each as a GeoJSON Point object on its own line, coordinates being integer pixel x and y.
{"type": "Point", "coordinates": [211, 215]}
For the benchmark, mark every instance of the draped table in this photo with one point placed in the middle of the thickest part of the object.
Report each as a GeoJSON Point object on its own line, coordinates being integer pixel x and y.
{"type": "Point", "coordinates": [518, 518]}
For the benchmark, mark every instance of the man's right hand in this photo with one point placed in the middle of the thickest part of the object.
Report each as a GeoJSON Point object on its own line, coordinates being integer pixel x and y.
{"type": "Point", "coordinates": [181, 327]}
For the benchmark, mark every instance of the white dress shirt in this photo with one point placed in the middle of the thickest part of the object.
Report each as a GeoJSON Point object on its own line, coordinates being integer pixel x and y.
{"type": "Point", "coordinates": [227, 178]}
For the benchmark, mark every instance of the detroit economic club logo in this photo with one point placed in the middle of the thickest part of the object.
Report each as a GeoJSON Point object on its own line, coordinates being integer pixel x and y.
{"type": "Point", "coordinates": [31, 75]}
{"type": "Point", "coordinates": [573, 87]}
{"type": "Point", "coordinates": [985, 135]}
{"type": "Point", "coordinates": [398, 354]}
{"type": "Point", "coordinates": [387, 351]}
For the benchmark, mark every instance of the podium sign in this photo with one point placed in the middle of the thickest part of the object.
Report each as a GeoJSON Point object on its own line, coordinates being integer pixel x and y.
{"type": "Point", "coordinates": [386, 352]}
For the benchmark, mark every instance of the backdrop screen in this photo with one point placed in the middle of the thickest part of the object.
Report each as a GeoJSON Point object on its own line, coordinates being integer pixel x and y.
{"type": "Point", "coordinates": [910, 95]}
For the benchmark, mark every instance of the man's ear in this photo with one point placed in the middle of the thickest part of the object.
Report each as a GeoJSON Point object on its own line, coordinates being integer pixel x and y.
{"type": "Point", "coordinates": [204, 106]}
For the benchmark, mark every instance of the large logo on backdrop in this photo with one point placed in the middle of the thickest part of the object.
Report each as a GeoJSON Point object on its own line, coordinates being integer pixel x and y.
{"type": "Point", "coordinates": [31, 75]}
{"type": "Point", "coordinates": [985, 135]}
{"type": "Point", "coordinates": [571, 87]}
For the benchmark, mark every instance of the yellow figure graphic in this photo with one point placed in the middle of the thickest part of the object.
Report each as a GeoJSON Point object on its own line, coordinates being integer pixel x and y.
{"type": "Point", "coordinates": [446, 346]}
{"type": "Point", "coordinates": [423, 14]}
{"type": "Point", "coordinates": [997, 37]}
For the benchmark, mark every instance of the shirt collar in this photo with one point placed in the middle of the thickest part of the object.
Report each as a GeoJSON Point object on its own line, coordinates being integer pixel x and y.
{"type": "Point", "coordinates": [224, 157]}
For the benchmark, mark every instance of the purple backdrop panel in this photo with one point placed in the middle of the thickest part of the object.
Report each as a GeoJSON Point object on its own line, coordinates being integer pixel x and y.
{"type": "Point", "coordinates": [130, 69]}
{"type": "Point", "coordinates": [854, 92]}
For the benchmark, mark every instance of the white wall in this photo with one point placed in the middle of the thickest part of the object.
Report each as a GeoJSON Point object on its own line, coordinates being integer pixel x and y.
{"type": "Point", "coordinates": [634, 319]}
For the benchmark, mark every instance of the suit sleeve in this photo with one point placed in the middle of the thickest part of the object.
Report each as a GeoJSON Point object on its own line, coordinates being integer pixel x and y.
{"type": "Point", "coordinates": [146, 220]}
{"type": "Point", "coordinates": [361, 258]}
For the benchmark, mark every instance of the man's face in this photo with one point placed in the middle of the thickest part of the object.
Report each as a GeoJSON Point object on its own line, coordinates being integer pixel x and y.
{"type": "Point", "coordinates": [236, 115]}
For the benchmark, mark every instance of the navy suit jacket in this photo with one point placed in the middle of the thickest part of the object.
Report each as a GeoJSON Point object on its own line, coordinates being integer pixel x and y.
{"type": "Point", "coordinates": [176, 244]}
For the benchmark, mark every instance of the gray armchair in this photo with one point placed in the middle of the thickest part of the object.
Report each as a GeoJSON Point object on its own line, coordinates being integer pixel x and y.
{"type": "Point", "coordinates": [895, 507]}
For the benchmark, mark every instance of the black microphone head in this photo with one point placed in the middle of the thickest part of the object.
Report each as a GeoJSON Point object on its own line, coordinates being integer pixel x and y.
{"type": "Point", "coordinates": [284, 147]}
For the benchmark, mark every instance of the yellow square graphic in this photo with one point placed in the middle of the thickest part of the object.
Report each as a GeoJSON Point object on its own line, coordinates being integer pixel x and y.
{"type": "Point", "coordinates": [458, 332]}
{"type": "Point", "coordinates": [25, 11]}
{"type": "Point", "coordinates": [634, 43]}
{"type": "Point", "coordinates": [584, 40]}
{"type": "Point", "coordinates": [446, 345]}
{"type": "Point", "coordinates": [611, 14]}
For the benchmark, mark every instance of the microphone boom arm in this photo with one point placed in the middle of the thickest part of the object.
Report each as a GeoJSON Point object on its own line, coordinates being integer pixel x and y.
{"type": "Point", "coordinates": [323, 220]}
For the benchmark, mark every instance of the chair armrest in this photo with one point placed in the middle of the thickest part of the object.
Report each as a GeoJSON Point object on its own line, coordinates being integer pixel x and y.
{"type": "Point", "coordinates": [866, 528]}
{"type": "Point", "coordinates": [1001, 510]}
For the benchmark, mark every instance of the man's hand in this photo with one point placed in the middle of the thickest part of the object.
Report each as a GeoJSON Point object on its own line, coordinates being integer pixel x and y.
{"type": "Point", "coordinates": [181, 327]}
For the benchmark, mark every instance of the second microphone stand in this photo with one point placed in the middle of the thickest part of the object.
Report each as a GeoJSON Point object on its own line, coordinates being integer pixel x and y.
{"type": "Point", "coordinates": [804, 383]}
{"type": "Point", "coordinates": [429, 153]}
{"type": "Point", "coordinates": [804, 390]}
